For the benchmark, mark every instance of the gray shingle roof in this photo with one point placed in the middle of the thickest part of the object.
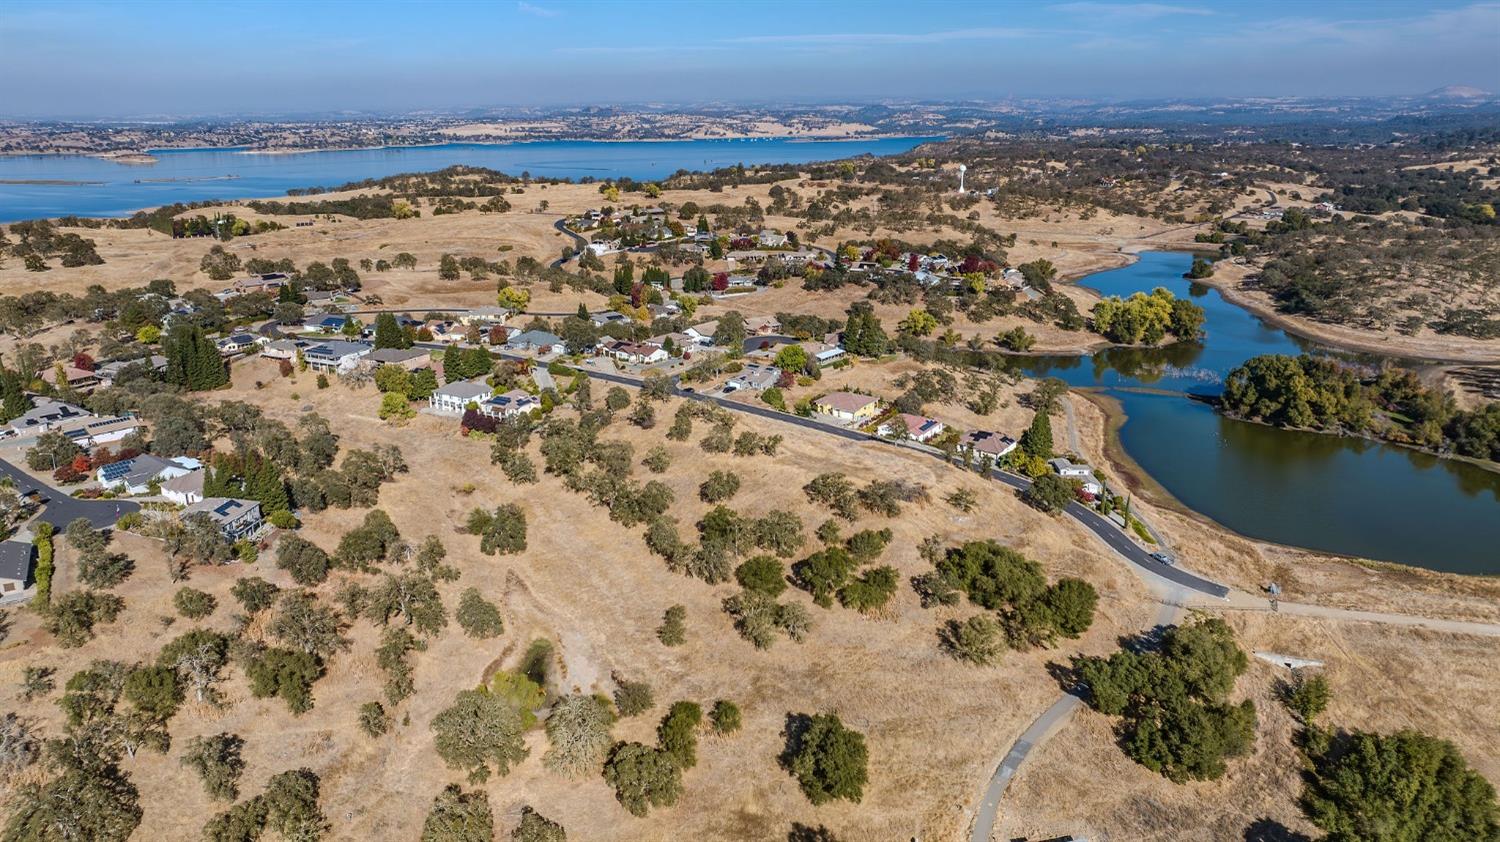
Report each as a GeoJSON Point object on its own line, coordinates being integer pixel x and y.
{"type": "Point", "coordinates": [15, 560]}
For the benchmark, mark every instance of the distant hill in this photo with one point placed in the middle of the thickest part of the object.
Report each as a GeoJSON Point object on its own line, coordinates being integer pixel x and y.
{"type": "Point", "coordinates": [1457, 92]}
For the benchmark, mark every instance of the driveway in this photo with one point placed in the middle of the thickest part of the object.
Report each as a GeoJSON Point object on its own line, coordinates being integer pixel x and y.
{"type": "Point", "coordinates": [61, 509]}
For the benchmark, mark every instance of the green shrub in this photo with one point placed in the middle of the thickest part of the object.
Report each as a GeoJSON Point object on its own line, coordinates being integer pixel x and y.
{"type": "Point", "coordinates": [725, 717]}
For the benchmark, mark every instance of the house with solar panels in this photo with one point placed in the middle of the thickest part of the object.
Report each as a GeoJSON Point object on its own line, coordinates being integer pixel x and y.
{"type": "Point", "coordinates": [135, 475]}
{"type": "Point", "coordinates": [509, 405]}
{"type": "Point", "coordinates": [235, 518]}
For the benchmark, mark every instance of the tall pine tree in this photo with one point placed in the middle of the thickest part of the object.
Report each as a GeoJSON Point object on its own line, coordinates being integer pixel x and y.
{"type": "Point", "coordinates": [14, 402]}
{"type": "Point", "coordinates": [388, 333]}
{"type": "Point", "coordinates": [1037, 440]}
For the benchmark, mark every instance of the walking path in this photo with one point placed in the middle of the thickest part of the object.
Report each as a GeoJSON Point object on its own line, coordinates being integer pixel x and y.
{"type": "Point", "coordinates": [1037, 732]}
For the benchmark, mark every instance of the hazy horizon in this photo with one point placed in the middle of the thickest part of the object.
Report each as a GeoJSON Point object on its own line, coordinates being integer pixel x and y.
{"type": "Point", "coordinates": [90, 60]}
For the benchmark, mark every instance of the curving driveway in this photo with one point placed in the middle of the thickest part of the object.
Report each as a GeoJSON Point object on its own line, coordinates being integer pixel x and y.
{"type": "Point", "coordinates": [60, 509]}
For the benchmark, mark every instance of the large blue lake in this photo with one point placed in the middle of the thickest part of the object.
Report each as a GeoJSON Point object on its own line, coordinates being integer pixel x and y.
{"type": "Point", "coordinates": [1324, 492]}
{"type": "Point", "coordinates": [190, 175]}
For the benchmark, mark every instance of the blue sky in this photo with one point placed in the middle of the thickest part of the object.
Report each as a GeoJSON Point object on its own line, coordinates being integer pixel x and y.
{"type": "Point", "coordinates": [84, 59]}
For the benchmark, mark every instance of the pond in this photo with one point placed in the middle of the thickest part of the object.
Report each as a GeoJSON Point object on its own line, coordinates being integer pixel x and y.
{"type": "Point", "coordinates": [1323, 492]}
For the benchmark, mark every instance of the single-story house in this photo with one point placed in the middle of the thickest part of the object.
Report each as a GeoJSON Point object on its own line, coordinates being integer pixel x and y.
{"type": "Point", "coordinates": [320, 297]}
{"type": "Point", "coordinates": [453, 398]}
{"type": "Point", "coordinates": [46, 414]}
{"type": "Point", "coordinates": [771, 239]}
{"type": "Point", "coordinates": [446, 332]}
{"type": "Point", "coordinates": [15, 566]}
{"type": "Point", "coordinates": [703, 332]}
{"type": "Point", "coordinates": [72, 376]}
{"type": "Point", "coordinates": [914, 427]}
{"type": "Point", "coordinates": [512, 403]}
{"type": "Point", "coordinates": [1068, 469]}
{"type": "Point", "coordinates": [235, 518]}
{"type": "Point", "coordinates": [135, 475]}
{"type": "Point", "coordinates": [260, 283]}
{"type": "Point", "coordinates": [484, 315]}
{"type": "Point", "coordinates": [761, 325]}
{"type": "Point", "coordinates": [608, 317]}
{"type": "Point", "coordinates": [91, 432]}
{"type": "Point", "coordinates": [238, 343]}
{"type": "Point", "coordinates": [325, 324]}
{"type": "Point", "coordinates": [639, 353]}
{"type": "Point", "coordinates": [754, 376]}
{"type": "Point", "coordinates": [538, 340]}
{"type": "Point", "coordinates": [282, 349]}
{"type": "Point", "coordinates": [980, 443]}
{"type": "Point", "coordinates": [335, 355]}
{"type": "Point", "coordinates": [410, 359]}
{"type": "Point", "coordinates": [847, 406]}
{"type": "Point", "coordinates": [822, 353]}
{"type": "Point", "coordinates": [109, 372]}
{"type": "Point", "coordinates": [184, 490]}
{"type": "Point", "coordinates": [678, 341]}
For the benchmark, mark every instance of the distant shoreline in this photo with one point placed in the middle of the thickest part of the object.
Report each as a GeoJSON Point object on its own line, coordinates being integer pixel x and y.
{"type": "Point", "coordinates": [146, 156]}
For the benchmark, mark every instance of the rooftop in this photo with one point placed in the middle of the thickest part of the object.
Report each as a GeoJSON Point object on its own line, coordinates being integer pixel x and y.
{"type": "Point", "coordinates": [846, 401]}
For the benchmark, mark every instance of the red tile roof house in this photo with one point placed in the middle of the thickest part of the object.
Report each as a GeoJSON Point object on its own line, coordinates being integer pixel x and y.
{"type": "Point", "coordinates": [913, 427]}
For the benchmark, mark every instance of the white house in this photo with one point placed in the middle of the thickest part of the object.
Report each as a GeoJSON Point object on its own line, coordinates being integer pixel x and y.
{"type": "Point", "coordinates": [135, 475]}
{"type": "Point", "coordinates": [913, 427]}
{"type": "Point", "coordinates": [238, 343]}
{"type": "Point", "coordinates": [335, 355]}
{"type": "Point", "coordinates": [1067, 469]}
{"type": "Point", "coordinates": [453, 398]}
{"type": "Point", "coordinates": [703, 332]}
{"type": "Point", "coordinates": [510, 404]}
{"type": "Point", "coordinates": [184, 490]}
{"type": "Point", "coordinates": [91, 432]}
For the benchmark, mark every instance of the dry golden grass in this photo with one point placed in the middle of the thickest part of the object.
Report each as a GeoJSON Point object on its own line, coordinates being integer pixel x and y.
{"type": "Point", "coordinates": [1383, 679]}
{"type": "Point", "coordinates": [591, 586]}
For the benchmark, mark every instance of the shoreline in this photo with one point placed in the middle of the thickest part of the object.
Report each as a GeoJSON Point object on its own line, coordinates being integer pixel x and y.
{"type": "Point", "coordinates": [1143, 485]}
{"type": "Point", "coordinates": [1334, 337]}
{"type": "Point", "coordinates": [145, 156]}
{"type": "Point", "coordinates": [1329, 336]}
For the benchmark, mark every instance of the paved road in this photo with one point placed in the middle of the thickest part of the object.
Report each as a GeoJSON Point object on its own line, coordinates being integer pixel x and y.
{"type": "Point", "coordinates": [578, 239]}
{"type": "Point", "coordinates": [62, 509]}
{"type": "Point", "coordinates": [1036, 733]}
{"type": "Point", "coordinates": [1091, 520]}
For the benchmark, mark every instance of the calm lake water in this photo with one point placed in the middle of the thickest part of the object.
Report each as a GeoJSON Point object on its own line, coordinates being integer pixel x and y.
{"type": "Point", "coordinates": [190, 175]}
{"type": "Point", "coordinates": [1324, 492]}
